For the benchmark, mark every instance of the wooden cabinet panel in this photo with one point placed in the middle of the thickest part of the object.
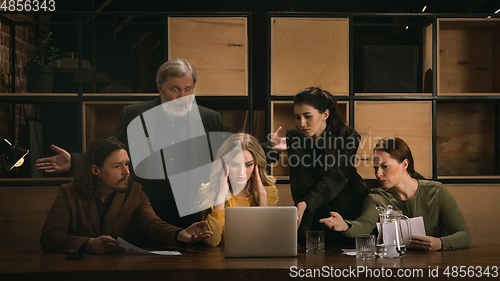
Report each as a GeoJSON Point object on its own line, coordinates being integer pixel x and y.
{"type": "Point", "coordinates": [479, 206]}
{"type": "Point", "coordinates": [409, 120]}
{"type": "Point", "coordinates": [23, 211]}
{"type": "Point", "coordinates": [217, 49]}
{"type": "Point", "coordinates": [285, 195]}
{"type": "Point", "coordinates": [427, 59]}
{"type": "Point", "coordinates": [465, 139]}
{"type": "Point", "coordinates": [468, 56]}
{"type": "Point", "coordinates": [100, 119]}
{"type": "Point", "coordinates": [309, 53]}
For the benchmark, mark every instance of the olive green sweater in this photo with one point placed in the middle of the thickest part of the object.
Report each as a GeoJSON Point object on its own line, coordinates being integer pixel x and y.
{"type": "Point", "coordinates": [441, 214]}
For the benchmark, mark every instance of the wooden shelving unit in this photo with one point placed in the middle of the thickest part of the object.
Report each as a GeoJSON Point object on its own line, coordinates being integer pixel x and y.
{"type": "Point", "coordinates": [216, 44]}
{"type": "Point", "coordinates": [451, 122]}
{"type": "Point", "coordinates": [219, 46]}
{"type": "Point", "coordinates": [309, 52]}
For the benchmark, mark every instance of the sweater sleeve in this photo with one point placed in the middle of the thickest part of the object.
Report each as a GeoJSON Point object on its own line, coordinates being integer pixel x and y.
{"type": "Point", "coordinates": [366, 222]}
{"type": "Point", "coordinates": [300, 166]}
{"type": "Point", "coordinates": [454, 223]}
{"type": "Point", "coordinates": [272, 195]}
{"type": "Point", "coordinates": [215, 223]}
{"type": "Point", "coordinates": [55, 237]}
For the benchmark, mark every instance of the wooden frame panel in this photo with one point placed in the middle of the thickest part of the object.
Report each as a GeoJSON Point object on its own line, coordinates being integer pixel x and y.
{"type": "Point", "coordinates": [478, 203]}
{"type": "Point", "coordinates": [100, 119]}
{"type": "Point", "coordinates": [409, 120]}
{"type": "Point", "coordinates": [217, 47]}
{"type": "Point", "coordinates": [23, 210]}
{"type": "Point", "coordinates": [427, 70]}
{"type": "Point", "coordinates": [309, 52]}
{"type": "Point", "coordinates": [465, 134]}
{"type": "Point", "coordinates": [236, 121]}
{"type": "Point", "coordinates": [468, 56]}
{"type": "Point", "coordinates": [285, 195]}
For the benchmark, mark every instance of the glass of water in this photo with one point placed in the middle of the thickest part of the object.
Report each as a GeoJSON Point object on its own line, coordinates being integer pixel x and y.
{"type": "Point", "coordinates": [315, 242]}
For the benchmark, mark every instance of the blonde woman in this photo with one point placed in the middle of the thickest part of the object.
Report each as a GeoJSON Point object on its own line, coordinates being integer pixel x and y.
{"type": "Point", "coordinates": [238, 179]}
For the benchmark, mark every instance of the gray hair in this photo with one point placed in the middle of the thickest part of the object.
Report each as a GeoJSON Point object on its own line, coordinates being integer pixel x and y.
{"type": "Point", "coordinates": [175, 68]}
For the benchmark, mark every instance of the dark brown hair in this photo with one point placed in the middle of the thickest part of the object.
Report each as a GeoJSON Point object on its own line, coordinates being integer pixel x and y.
{"type": "Point", "coordinates": [399, 150]}
{"type": "Point", "coordinates": [322, 100]}
{"type": "Point", "coordinates": [84, 180]}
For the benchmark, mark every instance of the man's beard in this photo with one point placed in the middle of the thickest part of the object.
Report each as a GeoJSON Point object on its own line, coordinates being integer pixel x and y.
{"type": "Point", "coordinates": [178, 107]}
{"type": "Point", "coordinates": [125, 189]}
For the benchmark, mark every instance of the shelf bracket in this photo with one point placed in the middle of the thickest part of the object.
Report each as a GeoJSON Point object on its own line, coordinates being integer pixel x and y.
{"type": "Point", "coordinates": [141, 39]}
{"type": "Point", "coordinates": [120, 27]}
{"type": "Point", "coordinates": [154, 47]}
{"type": "Point", "coordinates": [103, 6]}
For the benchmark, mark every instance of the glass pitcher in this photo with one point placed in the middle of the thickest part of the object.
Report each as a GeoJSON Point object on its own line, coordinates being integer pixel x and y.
{"type": "Point", "coordinates": [390, 243]}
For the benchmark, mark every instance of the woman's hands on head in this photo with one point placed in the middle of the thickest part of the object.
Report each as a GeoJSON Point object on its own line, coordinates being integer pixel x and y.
{"type": "Point", "coordinates": [335, 222]}
{"type": "Point", "coordinates": [258, 187]}
{"type": "Point", "coordinates": [223, 189]}
{"type": "Point", "coordinates": [257, 181]}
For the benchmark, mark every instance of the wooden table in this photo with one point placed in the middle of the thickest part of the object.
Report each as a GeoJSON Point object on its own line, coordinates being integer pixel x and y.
{"type": "Point", "coordinates": [203, 263]}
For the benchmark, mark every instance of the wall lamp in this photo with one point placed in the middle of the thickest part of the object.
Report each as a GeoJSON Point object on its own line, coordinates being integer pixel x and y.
{"type": "Point", "coordinates": [13, 156]}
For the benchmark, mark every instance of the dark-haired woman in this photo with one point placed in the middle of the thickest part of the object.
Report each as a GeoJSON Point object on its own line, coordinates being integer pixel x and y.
{"type": "Point", "coordinates": [321, 154]}
{"type": "Point", "coordinates": [407, 191]}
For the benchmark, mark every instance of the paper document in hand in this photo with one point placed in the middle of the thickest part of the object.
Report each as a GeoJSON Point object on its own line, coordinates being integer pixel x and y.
{"type": "Point", "coordinates": [129, 248]}
{"type": "Point", "coordinates": [417, 228]}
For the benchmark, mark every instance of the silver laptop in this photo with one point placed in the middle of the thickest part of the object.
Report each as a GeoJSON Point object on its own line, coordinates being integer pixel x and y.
{"type": "Point", "coordinates": [261, 232]}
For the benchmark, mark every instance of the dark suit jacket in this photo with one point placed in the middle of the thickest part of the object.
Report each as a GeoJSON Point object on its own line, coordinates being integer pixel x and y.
{"type": "Point", "coordinates": [72, 221]}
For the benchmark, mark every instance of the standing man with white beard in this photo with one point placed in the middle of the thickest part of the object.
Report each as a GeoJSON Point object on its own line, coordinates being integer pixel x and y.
{"type": "Point", "coordinates": [175, 81]}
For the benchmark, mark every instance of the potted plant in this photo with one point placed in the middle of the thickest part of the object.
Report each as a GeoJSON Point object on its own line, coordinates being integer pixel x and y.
{"type": "Point", "coordinates": [40, 72]}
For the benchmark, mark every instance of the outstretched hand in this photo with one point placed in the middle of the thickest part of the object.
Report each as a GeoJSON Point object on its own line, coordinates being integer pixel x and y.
{"type": "Point", "coordinates": [278, 143]}
{"type": "Point", "coordinates": [194, 233]}
{"type": "Point", "coordinates": [59, 163]}
{"type": "Point", "coordinates": [335, 222]}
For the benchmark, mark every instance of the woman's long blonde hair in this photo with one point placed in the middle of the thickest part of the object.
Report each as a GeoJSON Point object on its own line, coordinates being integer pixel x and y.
{"type": "Point", "coordinates": [208, 191]}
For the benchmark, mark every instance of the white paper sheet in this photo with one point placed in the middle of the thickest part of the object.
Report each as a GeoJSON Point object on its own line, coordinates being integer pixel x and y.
{"type": "Point", "coordinates": [349, 252]}
{"type": "Point", "coordinates": [417, 228]}
{"type": "Point", "coordinates": [129, 248]}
